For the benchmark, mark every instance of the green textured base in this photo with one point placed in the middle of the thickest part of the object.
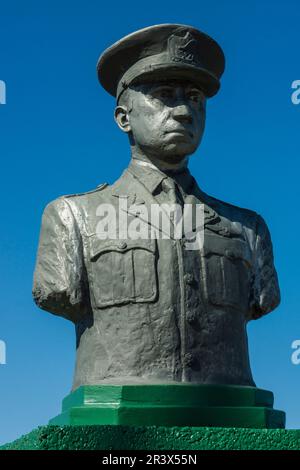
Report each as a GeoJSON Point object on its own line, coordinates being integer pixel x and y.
{"type": "Point", "coordinates": [170, 405]}
{"type": "Point", "coordinates": [155, 438]}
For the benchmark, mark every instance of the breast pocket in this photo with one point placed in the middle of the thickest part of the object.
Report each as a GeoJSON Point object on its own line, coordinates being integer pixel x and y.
{"type": "Point", "coordinates": [123, 271]}
{"type": "Point", "coordinates": [227, 272]}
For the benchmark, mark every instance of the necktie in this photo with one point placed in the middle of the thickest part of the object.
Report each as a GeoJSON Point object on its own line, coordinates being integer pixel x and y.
{"type": "Point", "coordinates": [171, 195]}
{"type": "Point", "coordinates": [172, 191]}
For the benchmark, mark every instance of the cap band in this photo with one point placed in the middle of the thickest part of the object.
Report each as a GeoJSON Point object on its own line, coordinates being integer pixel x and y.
{"type": "Point", "coordinates": [161, 62]}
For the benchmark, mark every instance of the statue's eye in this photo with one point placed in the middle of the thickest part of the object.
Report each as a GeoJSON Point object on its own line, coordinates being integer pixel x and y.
{"type": "Point", "coordinates": [163, 93]}
{"type": "Point", "coordinates": [195, 96]}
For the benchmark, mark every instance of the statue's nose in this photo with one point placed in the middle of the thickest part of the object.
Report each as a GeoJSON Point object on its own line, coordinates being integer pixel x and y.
{"type": "Point", "coordinates": [182, 113]}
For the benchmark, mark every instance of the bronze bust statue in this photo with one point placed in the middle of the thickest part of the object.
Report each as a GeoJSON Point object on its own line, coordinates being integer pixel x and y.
{"type": "Point", "coordinates": [148, 310]}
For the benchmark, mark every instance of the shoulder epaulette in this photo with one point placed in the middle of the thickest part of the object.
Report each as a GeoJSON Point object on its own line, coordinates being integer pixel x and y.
{"type": "Point", "coordinates": [98, 188]}
{"type": "Point", "coordinates": [232, 206]}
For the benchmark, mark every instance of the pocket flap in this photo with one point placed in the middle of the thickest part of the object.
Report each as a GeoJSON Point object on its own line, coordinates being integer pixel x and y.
{"type": "Point", "coordinates": [235, 248]}
{"type": "Point", "coordinates": [98, 246]}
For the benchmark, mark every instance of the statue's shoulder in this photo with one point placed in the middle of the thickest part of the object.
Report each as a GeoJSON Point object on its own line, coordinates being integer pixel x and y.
{"type": "Point", "coordinates": [233, 207]}
{"type": "Point", "coordinates": [73, 202]}
{"type": "Point", "coordinates": [98, 188]}
{"type": "Point", "coordinates": [233, 212]}
{"type": "Point", "coordinates": [86, 197]}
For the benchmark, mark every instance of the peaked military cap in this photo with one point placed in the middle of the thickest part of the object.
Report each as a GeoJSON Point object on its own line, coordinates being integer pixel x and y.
{"type": "Point", "coordinates": [162, 51]}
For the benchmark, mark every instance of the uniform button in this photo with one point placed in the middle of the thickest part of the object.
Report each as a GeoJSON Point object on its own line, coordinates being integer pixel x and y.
{"type": "Point", "coordinates": [188, 304]}
{"type": "Point", "coordinates": [191, 316]}
{"type": "Point", "coordinates": [188, 359]}
{"type": "Point", "coordinates": [184, 244]}
{"type": "Point", "coordinates": [229, 253]}
{"type": "Point", "coordinates": [122, 245]}
{"type": "Point", "coordinates": [189, 278]}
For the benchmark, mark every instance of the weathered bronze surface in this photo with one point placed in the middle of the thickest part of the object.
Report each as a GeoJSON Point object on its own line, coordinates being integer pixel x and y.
{"type": "Point", "coordinates": [150, 310]}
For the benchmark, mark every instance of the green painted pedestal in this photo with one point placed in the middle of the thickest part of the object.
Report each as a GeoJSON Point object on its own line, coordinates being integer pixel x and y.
{"type": "Point", "coordinates": [112, 438]}
{"type": "Point", "coordinates": [171, 405]}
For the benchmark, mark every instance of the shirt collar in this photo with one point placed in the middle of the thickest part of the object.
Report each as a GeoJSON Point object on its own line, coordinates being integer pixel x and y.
{"type": "Point", "coordinates": [151, 176]}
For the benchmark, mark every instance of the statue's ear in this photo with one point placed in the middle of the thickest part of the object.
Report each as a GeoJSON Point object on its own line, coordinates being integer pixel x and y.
{"type": "Point", "coordinates": [122, 118]}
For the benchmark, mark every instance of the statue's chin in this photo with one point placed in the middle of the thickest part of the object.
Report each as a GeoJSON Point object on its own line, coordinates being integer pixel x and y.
{"type": "Point", "coordinates": [175, 153]}
{"type": "Point", "coordinates": [175, 159]}
{"type": "Point", "coordinates": [170, 153]}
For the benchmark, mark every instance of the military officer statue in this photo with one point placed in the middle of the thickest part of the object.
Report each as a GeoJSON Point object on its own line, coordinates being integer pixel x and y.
{"type": "Point", "coordinates": [162, 324]}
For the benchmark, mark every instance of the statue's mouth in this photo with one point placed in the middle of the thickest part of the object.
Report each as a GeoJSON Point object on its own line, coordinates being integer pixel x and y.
{"type": "Point", "coordinates": [180, 131]}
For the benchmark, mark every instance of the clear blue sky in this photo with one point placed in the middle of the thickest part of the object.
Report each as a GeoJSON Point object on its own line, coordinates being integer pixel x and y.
{"type": "Point", "coordinates": [57, 136]}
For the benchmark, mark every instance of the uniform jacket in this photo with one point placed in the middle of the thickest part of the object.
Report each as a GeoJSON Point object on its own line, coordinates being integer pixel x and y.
{"type": "Point", "coordinates": [148, 310]}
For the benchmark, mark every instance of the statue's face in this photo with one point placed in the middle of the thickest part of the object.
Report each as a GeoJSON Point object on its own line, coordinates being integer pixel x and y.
{"type": "Point", "coordinates": [166, 119]}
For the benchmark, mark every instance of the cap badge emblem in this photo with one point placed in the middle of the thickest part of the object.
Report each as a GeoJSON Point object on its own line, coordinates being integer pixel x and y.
{"type": "Point", "coordinates": [182, 48]}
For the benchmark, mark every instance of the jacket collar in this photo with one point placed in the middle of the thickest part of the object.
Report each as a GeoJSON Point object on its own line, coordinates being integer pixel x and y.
{"type": "Point", "coordinates": [137, 181]}
{"type": "Point", "coordinates": [151, 176]}
{"type": "Point", "coordinates": [137, 176]}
